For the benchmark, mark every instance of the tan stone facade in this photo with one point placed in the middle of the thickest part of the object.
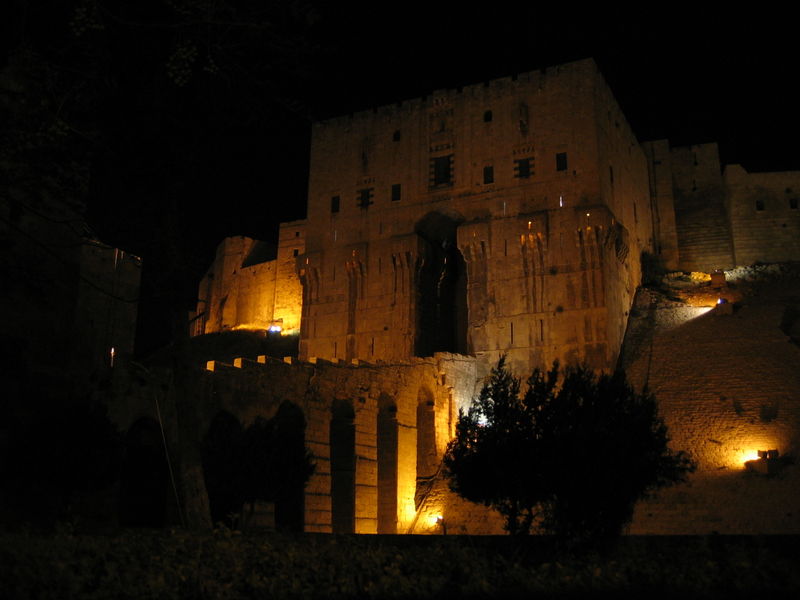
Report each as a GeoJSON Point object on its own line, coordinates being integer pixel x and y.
{"type": "Point", "coordinates": [764, 215]}
{"type": "Point", "coordinates": [245, 288]}
{"type": "Point", "coordinates": [505, 217]}
{"type": "Point", "coordinates": [510, 217]}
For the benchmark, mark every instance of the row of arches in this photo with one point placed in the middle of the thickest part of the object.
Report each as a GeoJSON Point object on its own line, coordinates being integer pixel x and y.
{"type": "Point", "coordinates": [240, 464]}
{"type": "Point", "coordinates": [343, 460]}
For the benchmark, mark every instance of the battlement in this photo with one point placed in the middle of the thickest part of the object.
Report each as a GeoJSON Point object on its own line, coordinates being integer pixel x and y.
{"type": "Point", "coordinates": [439, 98]}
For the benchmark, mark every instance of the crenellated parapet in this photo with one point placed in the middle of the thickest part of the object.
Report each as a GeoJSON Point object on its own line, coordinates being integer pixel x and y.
{"type": "Point", "coordinates": [387, 421]}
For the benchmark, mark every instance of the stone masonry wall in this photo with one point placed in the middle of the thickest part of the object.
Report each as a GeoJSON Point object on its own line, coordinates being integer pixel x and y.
{"type": "Point", "coordinates": [528, 165]}
{"type": "Point", "coordinates": [659, 166]}
{"type": "Point", "coordinates": [243, 290]}
{"type": "Point", "coordinates": [257, 388]}
{"type": "Point", "coordinates": [764, 215]}
{"type": "Point", "coordinates": [727, 387]}
{"type": "Point", "coordinates": [704, 236]}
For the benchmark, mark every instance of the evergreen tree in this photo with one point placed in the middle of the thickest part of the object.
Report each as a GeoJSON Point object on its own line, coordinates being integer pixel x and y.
{"type": "Point", "coordinates": [572, 455]}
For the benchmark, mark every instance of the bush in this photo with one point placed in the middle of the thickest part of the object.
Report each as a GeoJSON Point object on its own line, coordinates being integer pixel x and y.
{"type": "Point", "coordinates": [572, 459]}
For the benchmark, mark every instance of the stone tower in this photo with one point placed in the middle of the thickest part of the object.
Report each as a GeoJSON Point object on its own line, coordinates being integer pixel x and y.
{"type": "Point", "coordinates": [507, 216]}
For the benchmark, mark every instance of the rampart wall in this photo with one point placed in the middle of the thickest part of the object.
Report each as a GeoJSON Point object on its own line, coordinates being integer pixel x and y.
{"type": "Point", "coordinates": [703, 227]}
{"type": "Point", "coordinates": [764, 215]}
{"type": "Point", "coordinates": [400, 417]}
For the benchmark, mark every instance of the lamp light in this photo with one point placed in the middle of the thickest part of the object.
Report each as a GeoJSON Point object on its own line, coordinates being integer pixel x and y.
{"type": "Point", "coordinates": [767, 463]}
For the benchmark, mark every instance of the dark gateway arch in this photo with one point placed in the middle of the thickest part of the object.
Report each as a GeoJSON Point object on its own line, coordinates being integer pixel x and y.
{"type": "Point", "coordinates": [441, 300]}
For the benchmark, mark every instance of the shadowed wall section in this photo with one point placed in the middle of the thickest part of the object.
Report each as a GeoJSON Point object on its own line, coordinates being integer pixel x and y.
{"type": "Point", "coordinates": [143, 486]}
{"type": "Point", "coordinates": [387, 465]}
{"type": "Point", "coordinates": [343, 468]}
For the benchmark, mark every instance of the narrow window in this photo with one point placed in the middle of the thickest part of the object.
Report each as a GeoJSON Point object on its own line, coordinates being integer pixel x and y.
{"type": "Point", "coordinates": [759, 205]}
{"type": "Point", "coordinates": [296, 234]}
{"type": "Point", "coordinates": [487, 116]}
{"type": "Point", "coordinates": [561, 161]}
{"type": "Point", "coordinates": [611, 174]}
{"type": "Point", "coordinates": [335, 204]}
{"type": "Point", "coordinates": [295, 252]}
{"type": "Point", "coordinates": [365, 197]}
{"type": "Point", "coordinates": [441, 170]}
{"type": "Point", "coordinates": [395, 192]}
{"type": "Point", "coordinates": [488, 174]}
{"type": "Point", "coordinates": [793, 203]}
{"type": "Point", "coordinates": [512, 334]}
{"type": "Point", "coordinates": [396, 136]}
{"type": "Point", "coordinates": [523, 119]}
{"type": "Point", "coordinates": [523, 168]}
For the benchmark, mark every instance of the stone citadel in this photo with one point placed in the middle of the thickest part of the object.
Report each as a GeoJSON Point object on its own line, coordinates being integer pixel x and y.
{"type": "Point", "coordinates": [518, 217]}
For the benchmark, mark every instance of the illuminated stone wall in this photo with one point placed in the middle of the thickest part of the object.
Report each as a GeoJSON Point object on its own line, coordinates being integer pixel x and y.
{"type": "Point", "coordinates": [707, 220]}
{"type": "Point", "coordinates": [765, 215]}
{"type": "Point", "coordinates": [659, 167]}
{"type": "Point", "coordinates": [509, 218]}
{"type": "Point", "coordinates": [253, 389]}
{"type": "Point", "coordinates": [252, 286]}
{"type": "Point", "coordinates": [727, 387]}
{"type": "Point", "coordinates": [703, 228]}
{"type": "Point", "coordinates": [538, 182]}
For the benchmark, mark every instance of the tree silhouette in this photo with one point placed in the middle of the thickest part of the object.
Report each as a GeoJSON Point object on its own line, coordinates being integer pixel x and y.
{"type": "Point", "coordinates": [572, 455]}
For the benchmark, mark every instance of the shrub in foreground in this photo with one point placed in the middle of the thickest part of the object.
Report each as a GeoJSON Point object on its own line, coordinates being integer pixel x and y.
{"type": "Point", "coordinates": [572, 455]}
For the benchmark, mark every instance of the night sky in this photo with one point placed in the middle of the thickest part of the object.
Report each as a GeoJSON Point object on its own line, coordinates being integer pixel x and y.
{"type": "Point", "coordinates": [196, 115]}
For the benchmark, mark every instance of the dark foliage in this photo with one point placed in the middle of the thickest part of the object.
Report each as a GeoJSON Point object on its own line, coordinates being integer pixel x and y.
{"type": "Point", "coordinates": [229, 566]}
{"type": "Point", "coordinates": [570, 456]}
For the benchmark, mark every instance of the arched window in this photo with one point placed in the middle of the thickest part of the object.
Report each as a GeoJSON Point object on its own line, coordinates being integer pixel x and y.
{"type": "Point", "coordinates": [222, 468]}
{"type": "Point", "coordinates": [292, 467]}
{"type": "Point", "coordinates": [441, 300]}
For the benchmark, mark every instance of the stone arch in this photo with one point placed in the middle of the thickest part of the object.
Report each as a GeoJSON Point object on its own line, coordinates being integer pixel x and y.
{"type": "Point", "coordinates": [387, 464]}
{"type": "Point", "coordinates": [144, 477]}
{"type": "Point", "coordinates": [427, 463]}
{"type": "Point", "coordinates": [343, 467]}
{"type": "Point", "coordinates": [222, 468]}
{"type": "Point", "coordinates": [289, 426]}
{"type": "Point", "coordinates": [441, 287]}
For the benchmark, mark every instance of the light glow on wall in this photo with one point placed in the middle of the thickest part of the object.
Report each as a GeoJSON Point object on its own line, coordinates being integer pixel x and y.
{"type": "Point", "coordinates": [753, 452]}
{"type": "Point", "coordinates": [435, 520]}
{"type": "Point", "coordinates": [249, 327]}
{"type": "Point", "coordinates": [747, 455]}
